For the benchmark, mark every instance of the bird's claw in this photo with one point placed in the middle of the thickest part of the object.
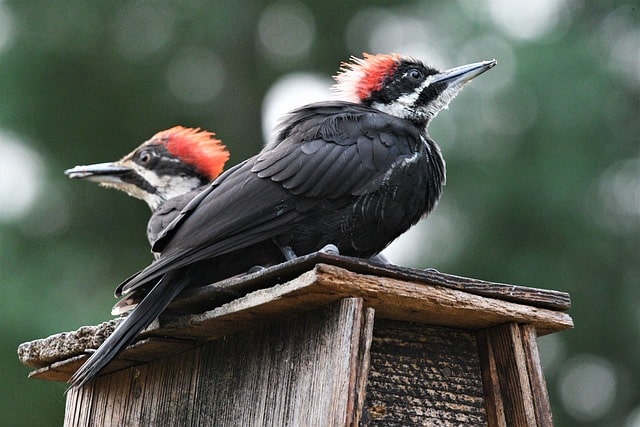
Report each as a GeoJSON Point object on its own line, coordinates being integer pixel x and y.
{"type": "Point", "coordinates": [288, 252]}
{"type": "Point", "coordinates": [330, 249]}
{"type": "Point", "coordinates": [256, 269]}
{"type": "Point", "coordinates": [380, 259]}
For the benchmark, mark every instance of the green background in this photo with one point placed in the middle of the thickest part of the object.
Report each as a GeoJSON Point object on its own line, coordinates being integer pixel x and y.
{"type": "Point", "coordinates": [543, 157]}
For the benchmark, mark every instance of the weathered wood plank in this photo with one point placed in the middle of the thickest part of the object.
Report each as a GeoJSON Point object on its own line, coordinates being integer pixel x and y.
{"type": "Point", "coordinates": [145, 350]}
{"type": "Point", "coordinates": [205, 298]}
{"type": "Point", "coordinates": [436, 305]}
{"type": "Point", "coordinates": [492, 396]}
{"type": "Point", "coordinates": [301, 370]}
{"type": "Point", "coordinates": [541, 401]}
{"type": "Point", "coordinates": [422, 375]}
{"type": "Point", "coordinates": [45, 351]}
{"type": "Point", "coordinates": [391, 298]}
{"type": "Point", "coordinates": [362, 363]}
{"type": "Point", "coordinates": [509, 355]}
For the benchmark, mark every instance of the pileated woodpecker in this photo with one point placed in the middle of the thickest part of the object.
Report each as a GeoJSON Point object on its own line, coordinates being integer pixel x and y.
{"type": "Point", "coordinates": [354, 173]}
{"type": "Point", "coordinates": [166, 172]}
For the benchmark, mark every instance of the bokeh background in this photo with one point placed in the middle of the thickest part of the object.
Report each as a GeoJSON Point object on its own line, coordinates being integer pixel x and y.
{"type": "Point", "coordinates": [543, 156]}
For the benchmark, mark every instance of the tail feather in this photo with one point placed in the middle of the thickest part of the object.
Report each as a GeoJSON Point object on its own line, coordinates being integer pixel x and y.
{"type": "Point", "coordinates": [145, 312]}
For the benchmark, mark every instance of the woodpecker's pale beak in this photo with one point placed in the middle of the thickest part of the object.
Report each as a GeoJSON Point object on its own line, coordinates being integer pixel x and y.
{"type": "Point", "coordinates": [458, 76]}
{"type": "Point", "coordinates": [100, 172]}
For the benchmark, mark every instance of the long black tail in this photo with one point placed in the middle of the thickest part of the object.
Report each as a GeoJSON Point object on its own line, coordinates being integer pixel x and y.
{"type": "Point", "coordinates": [145, 312]}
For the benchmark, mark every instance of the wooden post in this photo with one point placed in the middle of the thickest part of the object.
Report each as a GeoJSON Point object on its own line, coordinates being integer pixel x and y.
{"type": "Point", "coordinates": [327, 341]}
{"type": "Point", "coordinates": [513, 376]}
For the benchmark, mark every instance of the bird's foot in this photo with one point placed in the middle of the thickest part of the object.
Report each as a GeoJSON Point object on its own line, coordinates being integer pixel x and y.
{"type": "Point", "coordinates": [380, 259]}
{"type": "Point", "coordinates": [256, 269]}
{"type": "Point", "coordinates": [431, 270]}
{"type": "Point", "coordinates": [330, 249]}
{"type": "Point", "coordinates": [288, 252]}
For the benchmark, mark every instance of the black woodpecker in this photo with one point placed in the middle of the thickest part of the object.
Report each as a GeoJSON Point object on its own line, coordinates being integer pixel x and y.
{"type": "Point", "coordinates": [355, 173]}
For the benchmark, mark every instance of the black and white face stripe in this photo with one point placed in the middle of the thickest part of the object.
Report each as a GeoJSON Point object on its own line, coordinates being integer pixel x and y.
{"type": "Point", "coordinates": [150, 173]}
{"type": "Point", "coordinates": [407, 78]}
{"type": "Point", "coordinates": [417, 92]}
{"type": "Point", "coordinates": [133, 178]}
{"type": "Point", "coordinates": [407, 92]}
{"type": "Point", "coordinates": [155, 175]}
{"type": "Point", "coordinates": [157, 158]}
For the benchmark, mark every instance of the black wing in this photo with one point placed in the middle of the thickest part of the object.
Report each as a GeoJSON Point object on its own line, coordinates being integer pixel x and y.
{"type": "Point", "coordinates": [323, 151]}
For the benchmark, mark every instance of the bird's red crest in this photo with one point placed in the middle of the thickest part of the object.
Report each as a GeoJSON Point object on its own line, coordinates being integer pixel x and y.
{"type": "Point", "coordinates": [197, 147]}
{"type": "Point", "coordinates": [362, 76]}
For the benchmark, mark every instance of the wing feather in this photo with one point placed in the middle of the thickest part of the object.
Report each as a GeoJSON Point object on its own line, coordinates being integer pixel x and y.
{"type": "Point", "coordinates": [320, 154]}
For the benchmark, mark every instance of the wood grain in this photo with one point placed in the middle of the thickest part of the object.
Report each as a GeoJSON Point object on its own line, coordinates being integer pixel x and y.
{"type": "Point", "coordinates": [390, 298]}
{"type": "Point", "coordinates": [423, 375]}
{"type": "Point", "coordinates": [513, 379]}
{"type": "Point", "coordinates": [205, 298]}
{"type": "Point", "coordinates": [539, 391]}
{"type": "Point", "coordinates": [362, 364]}
{"type": "Point", "coordinates": [301, 370]}
{"type": "Point", "coordinates": [492, 393]}
{"type": "Point", "coordinates": [436, 305]}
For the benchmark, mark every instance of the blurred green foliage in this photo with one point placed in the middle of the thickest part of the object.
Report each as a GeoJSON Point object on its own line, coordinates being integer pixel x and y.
{"type": "Point", "coordinates": [542, 154]}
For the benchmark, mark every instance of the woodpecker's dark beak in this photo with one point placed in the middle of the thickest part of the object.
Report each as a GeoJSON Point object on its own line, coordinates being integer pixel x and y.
{"type": "Point", "coordinates": [458, 76]}
{"type": "Point", "coordinates": [100, 172]}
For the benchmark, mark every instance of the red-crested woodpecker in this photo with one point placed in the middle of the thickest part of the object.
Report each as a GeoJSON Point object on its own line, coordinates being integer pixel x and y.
{"type": "Point", "coordinates": [355, 174]}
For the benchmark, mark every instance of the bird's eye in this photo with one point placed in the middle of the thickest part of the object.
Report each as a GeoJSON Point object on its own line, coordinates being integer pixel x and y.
{"type": "Point", "coordinates": [144, 157]}
{"type": "Point", "coordinates": [415, 74]}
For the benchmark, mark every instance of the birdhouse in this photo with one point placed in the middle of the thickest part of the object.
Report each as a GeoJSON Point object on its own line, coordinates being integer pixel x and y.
{"type": "Point", "coordinates": [322, 340]}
